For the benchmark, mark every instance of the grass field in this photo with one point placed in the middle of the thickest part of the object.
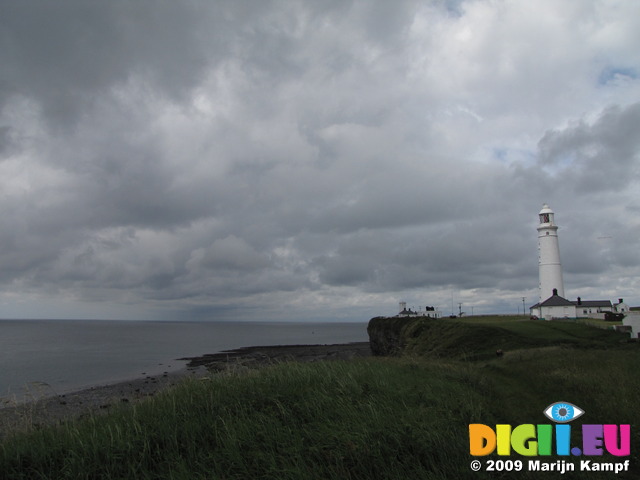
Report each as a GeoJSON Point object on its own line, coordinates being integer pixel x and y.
{"type": "Point", "coordinates": [404, 418]}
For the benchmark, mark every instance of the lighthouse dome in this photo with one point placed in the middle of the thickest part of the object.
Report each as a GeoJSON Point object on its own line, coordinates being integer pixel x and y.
{"type": "Point", "coordinates": [545, 209]}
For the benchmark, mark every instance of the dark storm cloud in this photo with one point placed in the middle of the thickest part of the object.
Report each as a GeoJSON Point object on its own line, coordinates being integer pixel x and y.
{"type": "Point", "coordinates": [307, 156]}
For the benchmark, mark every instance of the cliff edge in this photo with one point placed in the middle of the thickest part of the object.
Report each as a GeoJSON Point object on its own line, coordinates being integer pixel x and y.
{"type": "Point", "coordinates": [391, 335]}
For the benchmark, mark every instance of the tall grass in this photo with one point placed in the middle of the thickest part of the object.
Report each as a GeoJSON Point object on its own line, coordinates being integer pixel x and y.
{"type": "Point", "coordinates": [373, 418]}
{"type": "Point", "coordinates": [361, 419]}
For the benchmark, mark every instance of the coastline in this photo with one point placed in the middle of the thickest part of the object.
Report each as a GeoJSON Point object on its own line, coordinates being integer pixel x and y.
{"type": "Point", "coordinates": [100, 399]}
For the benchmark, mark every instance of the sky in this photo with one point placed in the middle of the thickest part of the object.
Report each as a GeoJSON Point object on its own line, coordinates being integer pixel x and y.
{"type": "Point", "coordinates": [299, 160]}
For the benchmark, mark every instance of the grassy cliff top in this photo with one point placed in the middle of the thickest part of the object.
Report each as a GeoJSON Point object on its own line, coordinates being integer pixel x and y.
{"type": "Point", "coordinates": [477, 338]}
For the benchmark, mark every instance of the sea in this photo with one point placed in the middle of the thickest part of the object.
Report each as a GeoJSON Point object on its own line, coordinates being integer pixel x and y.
{"type": "Point", "coordinates": [52, 357]}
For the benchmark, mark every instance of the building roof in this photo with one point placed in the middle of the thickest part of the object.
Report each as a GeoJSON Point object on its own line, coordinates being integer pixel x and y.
{"type": "Point", "coordinates": [556, 301]}
{"type": "Point", "coordinates": [593, 303]}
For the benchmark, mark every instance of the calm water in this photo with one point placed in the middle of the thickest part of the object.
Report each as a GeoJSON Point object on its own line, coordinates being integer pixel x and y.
{"type": "Point", "coordinates": [40, 357]}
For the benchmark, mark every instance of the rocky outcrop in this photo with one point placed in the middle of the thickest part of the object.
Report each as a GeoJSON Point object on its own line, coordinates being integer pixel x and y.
{"type": "Point", "coordinates": [390, 335]}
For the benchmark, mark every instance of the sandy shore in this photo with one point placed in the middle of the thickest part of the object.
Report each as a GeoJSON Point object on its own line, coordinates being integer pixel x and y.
{"type": "Point", "coordinates": [96, 400]}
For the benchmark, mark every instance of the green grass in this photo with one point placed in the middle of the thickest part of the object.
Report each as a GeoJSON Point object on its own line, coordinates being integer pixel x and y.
{"type": "Point", "coordinates": [596, 322]}
{"type": "Point", "coordinates": [360, 419]}
{"type": "Point", "coordinates": [373, 418]}
{"type": "Point", "coordinates": [478, 338]}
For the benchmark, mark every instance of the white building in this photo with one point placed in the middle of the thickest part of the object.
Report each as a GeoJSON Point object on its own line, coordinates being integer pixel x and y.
{"type": "Point", "coordinates": [552, 303]}
{"type": "Point", "coordinates": [632, 322]}
{"type": "Point", "coordinates": [621, 307]}
{"type": "Point", "coordinates": [549, 267]}
{"type": "Point", "coordinates": [559, 307]}
{"type": "Point", "coordinates": [431, 312]}
{"type": "Point", "coordinates": [554, 307]}
{"type": "Point", "coordinates": [593, 308]}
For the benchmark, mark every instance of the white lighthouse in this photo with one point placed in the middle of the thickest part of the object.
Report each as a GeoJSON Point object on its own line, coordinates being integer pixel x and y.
{"type": "Point", "coordinates": [549, 266]}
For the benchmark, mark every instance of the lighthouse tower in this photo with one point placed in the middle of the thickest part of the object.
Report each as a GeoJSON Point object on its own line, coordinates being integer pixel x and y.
{"type": "Point", "coordinates": [549, 256]}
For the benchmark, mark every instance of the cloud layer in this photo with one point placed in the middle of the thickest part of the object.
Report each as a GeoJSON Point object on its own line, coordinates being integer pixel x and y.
{"type": "Point", "coordinates": [313, 160]}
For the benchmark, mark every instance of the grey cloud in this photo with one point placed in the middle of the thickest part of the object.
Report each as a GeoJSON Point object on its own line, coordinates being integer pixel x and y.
{"type": "Point", "coordinates": [229, 253]}
{"type": "Point", "coordinates": [433, 255]}
{"type": "Point", "coordinates": [224, 156]}
{"type": "Point", "coordinates": [603, 155]}
{"type": "Point", "coordinates": [63, 54]}
{"type": "Point", "coordinates": [7, 142]}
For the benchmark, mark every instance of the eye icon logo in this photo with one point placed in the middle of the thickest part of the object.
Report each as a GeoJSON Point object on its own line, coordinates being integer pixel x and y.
{"type": "Point", "coordinates": [563, 412]}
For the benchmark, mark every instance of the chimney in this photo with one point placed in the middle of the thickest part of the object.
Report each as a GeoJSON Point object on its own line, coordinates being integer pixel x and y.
{"type": "Point", "coordinates": [555, 292]}
{"type": "Point", "coordinates": [579, 301]}
{"type": "Point", "coordinates": [620, 300]}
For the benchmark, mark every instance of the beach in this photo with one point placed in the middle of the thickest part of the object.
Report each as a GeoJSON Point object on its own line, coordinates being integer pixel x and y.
{"type": "Point", "coordinates": [97, 400]}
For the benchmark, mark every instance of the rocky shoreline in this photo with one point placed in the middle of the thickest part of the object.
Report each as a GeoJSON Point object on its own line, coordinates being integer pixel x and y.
{"type": "Point", "coordinates": [96, 400]}
{"type": "Point", "coordinates": [267, 355]}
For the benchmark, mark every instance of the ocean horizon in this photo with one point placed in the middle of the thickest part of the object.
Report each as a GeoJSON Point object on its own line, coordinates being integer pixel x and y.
{"type": "Point", "coordinates": [51, 357]}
